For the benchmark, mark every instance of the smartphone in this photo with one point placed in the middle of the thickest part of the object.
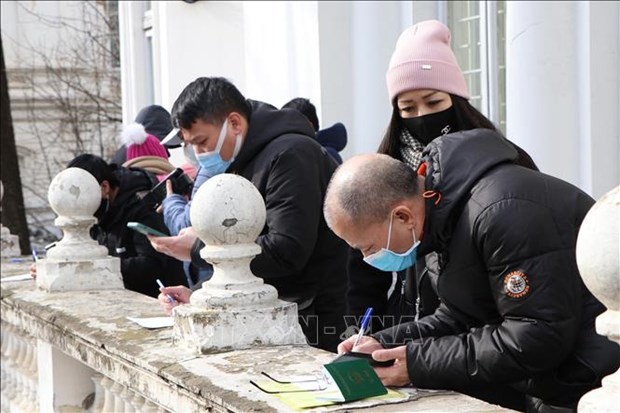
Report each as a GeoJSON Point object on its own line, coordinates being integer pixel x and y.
{"type": "Point", "coordinates": [367, 356]}
{"type": "Point", "coordinates": [181, 184]}
{"type": "Point", "coordinates": [143, 229]}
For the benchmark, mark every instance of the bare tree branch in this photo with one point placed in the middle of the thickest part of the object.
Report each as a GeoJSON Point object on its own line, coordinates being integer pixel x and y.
{"type": "Point", "coordinates": [69, 95]}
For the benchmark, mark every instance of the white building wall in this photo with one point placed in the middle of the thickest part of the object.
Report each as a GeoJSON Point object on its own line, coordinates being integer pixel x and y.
{"type": "Point", "coordinates": [562, 89]}
{"type": "Point", "coordinates": [562, 69]}
{"type": "Point", "coordinates": [191, 40]}
{"type": "Point", "coordinates": [356, 42]}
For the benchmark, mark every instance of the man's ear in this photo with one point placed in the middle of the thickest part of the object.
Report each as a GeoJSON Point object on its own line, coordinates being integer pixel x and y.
{"type": "Point", "coordinates": [235, 122]}
{"type": "Point", "coordinates": [105, 189]}
{"type": "Point", "coordinates": [404, 214]}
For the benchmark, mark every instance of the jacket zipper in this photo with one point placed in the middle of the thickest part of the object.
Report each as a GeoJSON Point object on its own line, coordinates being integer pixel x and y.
{"type": "Point", "coordinates": [417, 299]}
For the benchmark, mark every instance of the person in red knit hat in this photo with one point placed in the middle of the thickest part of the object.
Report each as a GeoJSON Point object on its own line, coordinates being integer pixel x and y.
{"type": "Point", "coordinates": [144, 150]}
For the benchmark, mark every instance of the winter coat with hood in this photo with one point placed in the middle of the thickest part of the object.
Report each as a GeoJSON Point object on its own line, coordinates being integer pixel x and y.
{"type": "Point", "coordinates": [514, 308]}
{"type": "Point", "coordinates": [141, 265]}
{"type": "Point", "coordinates": [301, 256]}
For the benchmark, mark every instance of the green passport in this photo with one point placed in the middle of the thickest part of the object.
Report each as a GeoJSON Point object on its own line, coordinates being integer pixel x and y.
{"type": "Point", "coordinates": [356, 379]}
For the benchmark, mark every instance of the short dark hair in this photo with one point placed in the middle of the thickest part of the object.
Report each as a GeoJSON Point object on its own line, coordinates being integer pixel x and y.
{"type": "Point", "coordinates": [306, 108]}
{"type": "Point", "coordinates": [369, 194]}
{"type": "Point", "coordinates": [97, 167]}
{"type": "Point", "coordinates": [210, 99]}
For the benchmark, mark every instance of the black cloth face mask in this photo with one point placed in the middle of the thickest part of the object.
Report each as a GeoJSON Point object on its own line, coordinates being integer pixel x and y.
{"type": "Point", "coordinates": [428, 127]}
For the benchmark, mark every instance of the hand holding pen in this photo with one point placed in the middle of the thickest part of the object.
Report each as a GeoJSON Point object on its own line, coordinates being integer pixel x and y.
{"type": "Point", "coordinates": [363, 326]}
{"type": "Point", "coordinates": [179, 294]}
{"type": "Point", "coordinates": [161, 285]}
{"type": "Point", "coordinates": [33, 266]}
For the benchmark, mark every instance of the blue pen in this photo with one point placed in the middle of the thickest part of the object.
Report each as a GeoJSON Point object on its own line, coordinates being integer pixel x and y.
{"type": "Point", "coordinates": [170, 299]}
{"type": "Point", "coordinates": [35, 257]}
{"type": "Point", "coordinates": [363, 326]}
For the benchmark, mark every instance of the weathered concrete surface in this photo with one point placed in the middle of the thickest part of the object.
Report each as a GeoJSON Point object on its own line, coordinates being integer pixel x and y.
{"type": "Point", "coordinates": [91, 327]}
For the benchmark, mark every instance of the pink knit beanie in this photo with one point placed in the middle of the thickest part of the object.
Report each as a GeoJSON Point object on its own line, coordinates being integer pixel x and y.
{"type": "Point", "coordinates": [423, 59]}
{"type": "Point", "coordinates": [139, 143]}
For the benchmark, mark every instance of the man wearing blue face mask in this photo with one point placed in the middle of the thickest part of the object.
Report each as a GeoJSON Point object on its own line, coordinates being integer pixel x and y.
{"type": "Point", "coordinates": [388, 260]}
{"type": "Point", "coordinates": [515, 325]}
{"type": "Point", "coordinates": [301, 257]}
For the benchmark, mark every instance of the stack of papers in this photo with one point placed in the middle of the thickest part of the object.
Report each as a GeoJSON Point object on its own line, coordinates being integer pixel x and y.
{"type": "Point", "coordinates": [338, 383]}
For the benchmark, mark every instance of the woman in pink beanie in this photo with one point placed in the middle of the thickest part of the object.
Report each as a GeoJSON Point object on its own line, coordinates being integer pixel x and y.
{"type": "Point", "coordinates": [429, 95]}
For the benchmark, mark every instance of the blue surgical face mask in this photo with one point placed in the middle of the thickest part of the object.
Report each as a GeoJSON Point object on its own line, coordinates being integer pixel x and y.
{"type": "Point", "coordinates": [386, 260]}
{"type": "Point", "coordinates": [212, 161]}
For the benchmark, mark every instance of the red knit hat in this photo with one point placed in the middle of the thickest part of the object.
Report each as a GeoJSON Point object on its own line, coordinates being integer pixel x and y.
{"type": "Point", "coordinates": [139, 143]}
{"type": "Point", "coordinates": [423, 59]}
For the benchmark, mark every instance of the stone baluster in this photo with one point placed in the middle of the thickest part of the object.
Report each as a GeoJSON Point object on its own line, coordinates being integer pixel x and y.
{"type": "Point", "coordinates": [12, 386]}
{"type": "Point", "coordinates": [29, 393]}
{"type": "Point", "coordinates": [11, 375]}
{"type": "Point", "coordinates": [97, 406]}
{"type": "Point", "coordinates": [5, 366]}
{"type": "Point", "coordinates": [5, 333]}
{"type": "Point", "coordinates": [126, 395]}
{"type": "Point", "coordinates": [119, 403]}
{"type": "Point", "coordinates": [137, 401]}
{"type": "Point", "coordinates": [108, 399]}
{"type": "Point", "coordinates": [234, 309]}
{"type": "Point", "coordinates": [598, 259]}
{"type": "Point", "coordinates": [21, 391]}
{"type": "Point", "coordinates": [150, 407]}
{"type": "Point", "coordinates": [77, 262]}
{"type": "Point", "coordinates": [9, 243]}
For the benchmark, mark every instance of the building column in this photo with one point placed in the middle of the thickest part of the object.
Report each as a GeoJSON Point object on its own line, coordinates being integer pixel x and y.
{"type": "Point", "coordinates": [133, 50]}
{"type": "Point", "coordinates": [191, 40]}
{"type": "Point", "coordinates": [562, 88]}
{"type": "Point", "coordinates": [356, 41]}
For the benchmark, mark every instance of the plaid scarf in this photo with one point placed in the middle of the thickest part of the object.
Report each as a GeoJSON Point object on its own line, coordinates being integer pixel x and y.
{"type": "Point", "coordinates": [410, 149]}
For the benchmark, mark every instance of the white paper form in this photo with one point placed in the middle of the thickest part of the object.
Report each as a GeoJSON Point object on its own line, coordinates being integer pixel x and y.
{"type": "Point", "coordinates": [20, 277]}
{"type": "Point", "coordinates": [153, 322]}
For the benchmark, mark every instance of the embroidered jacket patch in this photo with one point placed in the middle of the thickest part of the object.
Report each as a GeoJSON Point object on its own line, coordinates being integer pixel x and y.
{"type": "Point", "coordinates": [516, 284]}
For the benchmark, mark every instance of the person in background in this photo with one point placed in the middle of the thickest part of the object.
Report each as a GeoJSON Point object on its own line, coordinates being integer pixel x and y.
{"type": "Point", "coordinates": [333, 139]}
{"type": "Point", "coordinates": [141, 265]}
{"type": "Point", "coordinates": [144, 150]}
{"type": "Point", "coordinates": [300, 256]}
{"type": "Point", "coordinates": [429, 98]}
{"type": "Point", "coordinates": [175, 210]}
{"type": "Point", "coordinates": [515, 325]}
{"type": "Point", "coordinates": [156, 122]}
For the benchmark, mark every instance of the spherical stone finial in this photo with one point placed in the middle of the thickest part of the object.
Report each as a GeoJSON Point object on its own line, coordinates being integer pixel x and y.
{"type": "Point", "coordinates": [598, 249]}
{"type": "Point", "coordinates": [74, 193]}
{"type": "Point", "coordinates": [228, 209]}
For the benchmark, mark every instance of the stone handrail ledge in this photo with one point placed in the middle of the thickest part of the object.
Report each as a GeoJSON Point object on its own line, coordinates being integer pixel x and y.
{"type": "Point", "coordinates": [65, 350]}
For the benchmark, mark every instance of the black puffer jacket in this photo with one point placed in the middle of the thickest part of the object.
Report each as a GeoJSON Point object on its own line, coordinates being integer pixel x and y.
{"type": "Point", "coordinates": [301, 257]}
{"type": "Point", "coordinates": [141, 265]}
{"type": "Point", "coordinates": [413, 292]}
{"type": "Point", "coordinates": [513, 305]}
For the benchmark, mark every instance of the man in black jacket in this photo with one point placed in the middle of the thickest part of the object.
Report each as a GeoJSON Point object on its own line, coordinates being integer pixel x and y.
{"type": "Point", "coordinates": [301, 257]}
{"type": "Point", "coordinates": [141, 265]}
{"type": "Point", "coordinates": [515, 325]}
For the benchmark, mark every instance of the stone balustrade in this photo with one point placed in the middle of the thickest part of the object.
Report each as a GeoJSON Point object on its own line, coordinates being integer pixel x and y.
{"type": "Point", "coordinates": [68, 346]}
{"type": "Point", "coordinates": [77, 352]}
